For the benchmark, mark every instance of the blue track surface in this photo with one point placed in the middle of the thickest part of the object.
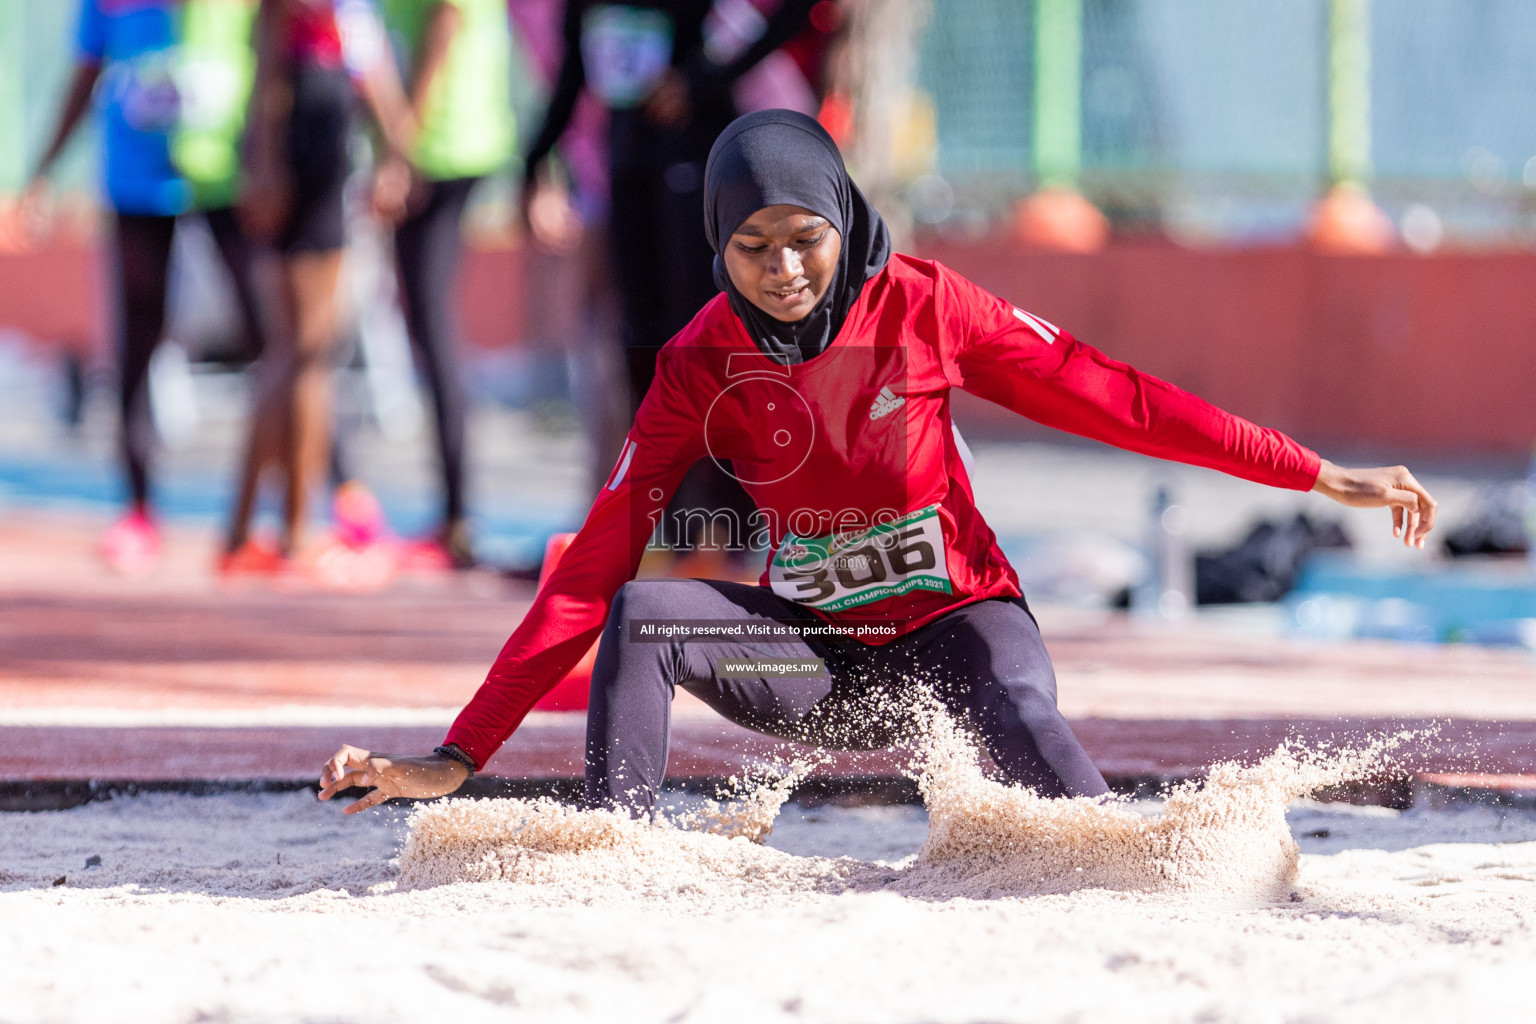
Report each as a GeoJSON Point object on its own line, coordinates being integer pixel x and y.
{"type": "Point", "coordinates": [504, 535]}
{"type": "Point", "coordinates": [1482, 605]}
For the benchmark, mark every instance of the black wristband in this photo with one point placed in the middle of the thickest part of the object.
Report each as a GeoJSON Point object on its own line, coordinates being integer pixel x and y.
{"type": "Point", "coordinates": [452, 752]}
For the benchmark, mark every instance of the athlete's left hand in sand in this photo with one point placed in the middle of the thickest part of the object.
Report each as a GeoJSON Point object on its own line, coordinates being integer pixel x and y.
{"type": "Point", "coordinates": [389, 776]}
{"type": "Point", "coordinates": [1413, 510]}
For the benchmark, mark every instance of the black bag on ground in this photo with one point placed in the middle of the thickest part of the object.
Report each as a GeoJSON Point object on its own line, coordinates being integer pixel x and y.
{"type": "Point", "coordinates": [1263, 565]}
{"type": "Point", "coordinates": [1497, 526]}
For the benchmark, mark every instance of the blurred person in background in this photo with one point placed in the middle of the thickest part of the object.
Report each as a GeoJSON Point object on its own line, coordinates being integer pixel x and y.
{"type": "Point", "coordinates": [456, 59]}
{"type": "Point", "coordinates": [313, 57]}
{"type": "Point", "coordinates": [569, 300]}
{"type": "Point", "coordinates": [667, 83]}
{"type": "Point", "coordinates": [171, 80]}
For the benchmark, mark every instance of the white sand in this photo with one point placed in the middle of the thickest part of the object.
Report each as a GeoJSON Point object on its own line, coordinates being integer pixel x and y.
{"type": "Point", "coordinates": [274, 907]}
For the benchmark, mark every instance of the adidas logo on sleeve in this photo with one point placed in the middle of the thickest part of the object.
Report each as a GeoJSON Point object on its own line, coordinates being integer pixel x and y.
{"type": "Point", "coordinates": [886, 403]}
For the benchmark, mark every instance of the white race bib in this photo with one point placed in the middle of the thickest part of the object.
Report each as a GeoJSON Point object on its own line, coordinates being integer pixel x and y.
{"type": "Point", "coordinates": [625, 51]}
{"type": "Point", "coordinates": [843, 570]}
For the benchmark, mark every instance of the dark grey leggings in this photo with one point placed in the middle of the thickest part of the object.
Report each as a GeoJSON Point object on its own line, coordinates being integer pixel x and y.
{"type": "Point", "coordinates": [143, 260]}
{"type": "Point", "coordinates": [984, 661]}
{"type": "Point", "coordinates": [427, 251]}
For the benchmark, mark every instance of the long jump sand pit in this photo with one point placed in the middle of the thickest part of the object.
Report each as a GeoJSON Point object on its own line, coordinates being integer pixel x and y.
{"type": "Point", "coordinates": [1238, 901]}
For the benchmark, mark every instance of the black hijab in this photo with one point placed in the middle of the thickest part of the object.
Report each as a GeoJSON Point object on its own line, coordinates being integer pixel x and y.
{"type": "Point", "coordinates": [780, 157]}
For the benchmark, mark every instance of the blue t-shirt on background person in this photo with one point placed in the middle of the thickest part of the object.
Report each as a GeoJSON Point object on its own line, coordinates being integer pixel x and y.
{"type": "Point", "coordinates": [137, 101]}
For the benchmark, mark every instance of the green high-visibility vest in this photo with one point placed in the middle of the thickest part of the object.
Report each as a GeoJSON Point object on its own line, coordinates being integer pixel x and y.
{"type": "Point", "coordinates": [215, 66]}
{"type": "Point", "coordinates": [467, 127]}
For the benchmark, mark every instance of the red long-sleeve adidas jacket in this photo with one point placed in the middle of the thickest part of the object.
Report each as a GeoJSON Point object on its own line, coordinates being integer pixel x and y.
{"type": "Point", "coordinates": [863, 500]}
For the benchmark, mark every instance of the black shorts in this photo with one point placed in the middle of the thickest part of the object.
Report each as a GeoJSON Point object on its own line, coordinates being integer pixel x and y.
{"type": "Point", "coordinates": [318, 160]}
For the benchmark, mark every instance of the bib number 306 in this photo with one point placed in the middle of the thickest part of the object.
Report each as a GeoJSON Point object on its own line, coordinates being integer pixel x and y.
{"type": "Point", "coordinates": [840, 571]}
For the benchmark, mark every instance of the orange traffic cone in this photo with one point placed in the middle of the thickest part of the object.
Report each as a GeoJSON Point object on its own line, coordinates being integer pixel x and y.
{"type": "Point", "coordinates": [1060, 219]}
{"type": "Point", "coordinates": [1347, 222]}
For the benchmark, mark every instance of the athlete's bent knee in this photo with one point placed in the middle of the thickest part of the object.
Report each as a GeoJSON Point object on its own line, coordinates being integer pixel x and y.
{"type": "Point", "coordinates": [646, 599]}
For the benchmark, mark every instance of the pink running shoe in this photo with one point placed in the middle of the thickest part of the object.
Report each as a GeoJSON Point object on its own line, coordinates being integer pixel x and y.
{"type": "Point", "coordinates": [357, 518]}
{"type": "Point", "coordinates": [450, 548]}
{"type": "Point", "coordinates": [427, 555]}
{"type": "Point", "coordinates": [253, 558]}
{"type": "Point", "coordinates": [132, 544]}
{"type": "Point", "coordinates": [350, 568]}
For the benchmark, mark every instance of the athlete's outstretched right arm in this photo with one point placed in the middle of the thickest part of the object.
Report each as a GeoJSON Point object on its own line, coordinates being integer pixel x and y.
{"type": "Point", "coordinates": [569, 611]}
{"type": "Point", "coordinates": [1026, 364]}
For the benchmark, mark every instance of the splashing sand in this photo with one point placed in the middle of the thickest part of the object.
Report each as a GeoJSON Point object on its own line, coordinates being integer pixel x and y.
{"type": "Point", "coordinates": [1224, 839]}
{"type": "Point", "coordinates": [751, 802]}
{"type": "Point", "coordinates": [707, 856]}
{"type": "Point", "coordinates": [275, 907]}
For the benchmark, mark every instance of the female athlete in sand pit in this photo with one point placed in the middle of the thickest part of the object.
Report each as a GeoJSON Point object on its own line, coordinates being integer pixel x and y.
{"type": "Point", "coordinates": [821, 377]}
